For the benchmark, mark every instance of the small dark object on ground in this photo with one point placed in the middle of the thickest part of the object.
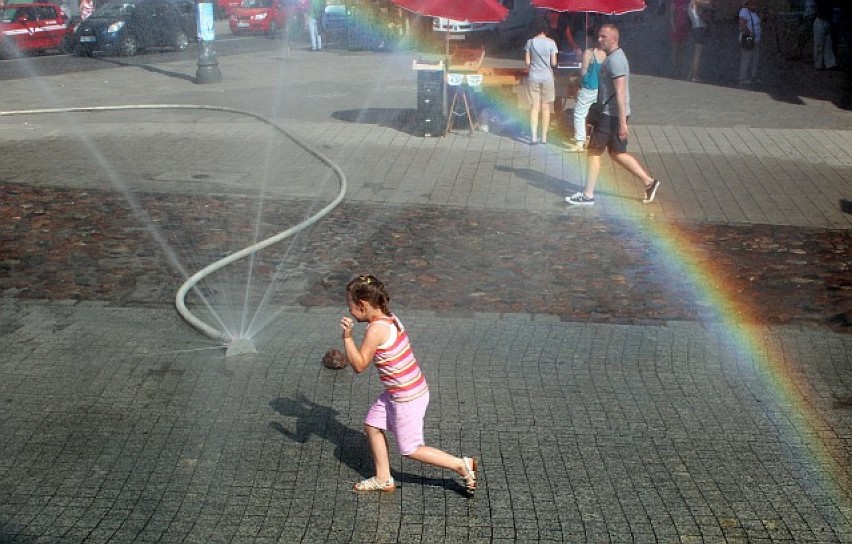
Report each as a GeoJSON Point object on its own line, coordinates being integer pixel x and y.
{"type": "Point", "coordinates": [334, 359]}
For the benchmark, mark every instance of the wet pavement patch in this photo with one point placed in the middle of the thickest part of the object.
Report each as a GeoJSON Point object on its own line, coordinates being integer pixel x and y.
{"type": "Point", "coordinates": [94, 245]}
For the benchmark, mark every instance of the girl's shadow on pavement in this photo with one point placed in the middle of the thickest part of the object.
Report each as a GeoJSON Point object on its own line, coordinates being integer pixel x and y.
{"type": "Point", "coordinates": [350, 446]}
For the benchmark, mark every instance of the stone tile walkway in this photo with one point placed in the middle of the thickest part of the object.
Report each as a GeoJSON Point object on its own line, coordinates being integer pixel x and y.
{"type": "Point", "coordinates": [678, 372]}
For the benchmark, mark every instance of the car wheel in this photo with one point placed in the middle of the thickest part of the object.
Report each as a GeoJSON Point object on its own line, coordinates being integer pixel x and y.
{"type": "Point", "coordinates": [273, 30]}
{"type": "Point", "coordinates": [129, 46]}
{"type": "Point", "coordinates": [66, 46]}
{"type": "Point", "coordinates": [8, 51]}
{"type": "Point", "coordinates": [181, 42]}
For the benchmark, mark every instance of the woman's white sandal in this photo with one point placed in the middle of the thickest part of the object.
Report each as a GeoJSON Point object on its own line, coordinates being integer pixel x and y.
{"type": "Point", "coordinates": [470, 466]}
{"type": "Point", "coordinates": [371, 485]}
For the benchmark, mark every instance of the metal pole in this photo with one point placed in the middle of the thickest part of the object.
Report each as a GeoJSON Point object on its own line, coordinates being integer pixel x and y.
{"type": "Point", "coordinates": [208, 66]}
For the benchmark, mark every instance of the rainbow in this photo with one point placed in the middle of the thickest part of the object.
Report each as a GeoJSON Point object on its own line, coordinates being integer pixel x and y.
{"type": "Point", "coordinates": [806, 431]}
{"type": "Point", "coordinates": [808, 436]}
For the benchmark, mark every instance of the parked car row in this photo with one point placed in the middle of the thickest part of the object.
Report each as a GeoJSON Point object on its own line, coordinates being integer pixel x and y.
{"type": "Point", "coordinates": [126, 27]}
{"type": "Point", "coordinates": [121, 27]}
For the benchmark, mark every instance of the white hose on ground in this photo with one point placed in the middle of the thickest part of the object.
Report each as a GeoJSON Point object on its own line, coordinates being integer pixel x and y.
{"type": "Point", "coordinates": [193, 280]}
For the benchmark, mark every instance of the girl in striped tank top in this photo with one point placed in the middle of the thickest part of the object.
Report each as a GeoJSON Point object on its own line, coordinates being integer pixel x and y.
{"type": "Point", "coordinates": [400, 409]}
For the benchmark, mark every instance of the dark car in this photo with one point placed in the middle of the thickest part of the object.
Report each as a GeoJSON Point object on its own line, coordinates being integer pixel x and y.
{"type": "Point", "coordinates": [128, 26]}
{"type": "Point", "coordinates": [28, 28]}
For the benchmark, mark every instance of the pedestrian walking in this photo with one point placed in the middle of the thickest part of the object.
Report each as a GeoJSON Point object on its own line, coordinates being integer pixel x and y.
{"type": "Point", "coordinates": [400, 409]}
{"type": "Point", "coordinates": [611, 130]}
{"type": "Point", "coordinates": [313, 17]}
{"type": "Point", "coordinates": [593, 58]}
{"type": "Point", "coordinates": [291, 10]}
{"type": "Point", "coordinates": [540, 57]}
{"type": "Point", "coordinates": [823, 48]}
{"type": "Point", "coordinates": [679, 28]}
{"type": "Point", "coordinates": [700, 13]}
{"type": "Point", "coordinates": [750, 35]}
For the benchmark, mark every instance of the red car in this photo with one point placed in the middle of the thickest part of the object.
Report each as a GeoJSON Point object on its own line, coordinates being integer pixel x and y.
{"type": "Point", "coordinates": [27, 28]}
{"type": "Point", "coordinates": [223, 7]}
{"type": "Point", "coordinates": [258, 16]}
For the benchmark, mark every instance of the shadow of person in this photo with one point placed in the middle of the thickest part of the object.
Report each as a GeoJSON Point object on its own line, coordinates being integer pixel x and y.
{"type": "Point", "coordinates": [350, 446]}
{"type": "Point", "coordinates": [449, 484]}
{"type": "Point", "coordinates": [540, 180]}
{"type": "Point", "coordinates": [402, 120]}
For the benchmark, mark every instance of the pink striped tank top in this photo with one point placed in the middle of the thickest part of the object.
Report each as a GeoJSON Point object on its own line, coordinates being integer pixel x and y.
{"type": "Point", "coordinates": [398, 369]}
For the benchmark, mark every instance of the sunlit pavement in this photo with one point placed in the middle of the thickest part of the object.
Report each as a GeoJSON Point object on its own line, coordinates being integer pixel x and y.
{"type": "Point", "coordinates": [676, 372]}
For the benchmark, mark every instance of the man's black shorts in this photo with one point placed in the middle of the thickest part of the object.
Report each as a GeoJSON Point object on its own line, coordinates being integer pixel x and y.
{"type": "Point", "coordinates": [605, 135]}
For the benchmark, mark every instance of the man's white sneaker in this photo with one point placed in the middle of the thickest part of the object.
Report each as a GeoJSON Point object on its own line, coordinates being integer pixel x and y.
{"type": "Point", "coordinates": [579, 199]}
{"type": "Point", "coordinates": [651, 192]}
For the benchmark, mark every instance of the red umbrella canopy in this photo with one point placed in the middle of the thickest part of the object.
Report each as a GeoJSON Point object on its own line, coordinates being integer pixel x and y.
{"type": "Point", "coordinates": [472, 11]}
{"type": "Point", "coordinates": [609, 7]}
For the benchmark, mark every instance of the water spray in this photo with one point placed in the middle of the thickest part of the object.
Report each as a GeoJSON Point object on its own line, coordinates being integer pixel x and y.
{"type": "Point", "coordinates": [234, 345]}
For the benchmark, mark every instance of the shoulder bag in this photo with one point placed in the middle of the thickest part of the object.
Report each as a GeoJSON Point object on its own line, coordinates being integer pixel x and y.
{"type": "Point", "coordinates": [747, 40]}
{"type": "Point", "coordinates": [595, 112]}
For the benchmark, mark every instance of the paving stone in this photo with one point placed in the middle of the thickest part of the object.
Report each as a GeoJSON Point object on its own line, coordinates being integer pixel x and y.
{"type": "Point", "coordinates": [580, 354]}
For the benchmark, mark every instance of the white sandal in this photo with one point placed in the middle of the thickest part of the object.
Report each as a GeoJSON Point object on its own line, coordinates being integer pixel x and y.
{"type": "Point", "coordinates": [371, 485]}
{"type": "Point", "coordinates": [470, 466]}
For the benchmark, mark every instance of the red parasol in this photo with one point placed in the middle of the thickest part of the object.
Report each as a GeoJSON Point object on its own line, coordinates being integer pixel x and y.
{"type": "Point", "coordinates": [471, 11]}
{"type": "Point", "coordinates": [608, 7]}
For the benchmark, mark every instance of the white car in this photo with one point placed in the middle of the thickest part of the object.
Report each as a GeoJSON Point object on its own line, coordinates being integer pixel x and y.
{"type": "Point", "coordinates": [515, 26]}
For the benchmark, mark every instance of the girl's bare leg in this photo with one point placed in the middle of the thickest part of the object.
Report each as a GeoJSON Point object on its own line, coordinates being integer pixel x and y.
{"type": "Point", "coordinates": [379, 450]}
{"type": "Point", "coordinates": [438, 458]}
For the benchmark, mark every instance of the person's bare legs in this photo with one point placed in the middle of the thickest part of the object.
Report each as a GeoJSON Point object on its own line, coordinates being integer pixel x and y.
{"type": "Point", "coordinates": [379, 450]}
{"type": "Point", "coordinates": [677, 58]}
{"type": "Point", "coordinates": [534, 121]}
{"type": "Point", "coordinates": [625, 160]}
{"type": "Point", "coordinates": [629, 163]}
{"type": "Point", "coordinates": [438, 458]}
{"type": "Point", "coordinates": [545, 120]}
{"type": "Point", "coordinates": [696, 62]}
{"type": "Point", "coordinates": [593, 170]}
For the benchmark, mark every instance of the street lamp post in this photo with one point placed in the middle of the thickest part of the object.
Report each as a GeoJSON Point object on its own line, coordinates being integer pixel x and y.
{"type": "Point", "coordinates": [208, 66]}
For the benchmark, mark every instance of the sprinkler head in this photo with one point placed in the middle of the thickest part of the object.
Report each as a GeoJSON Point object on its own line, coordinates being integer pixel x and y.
{"type": "Point", "coordinates": [239, 346]}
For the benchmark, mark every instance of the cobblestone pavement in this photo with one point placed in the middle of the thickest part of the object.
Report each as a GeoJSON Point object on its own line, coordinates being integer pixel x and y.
{"type": "Point", "coordinates": [86, 245]}
{"type": "Point", "coordinates": [678, 372]}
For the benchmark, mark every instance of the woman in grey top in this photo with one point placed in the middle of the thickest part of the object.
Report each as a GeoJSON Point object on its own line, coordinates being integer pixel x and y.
{"type": "Point", "coordinates": [540, 55]}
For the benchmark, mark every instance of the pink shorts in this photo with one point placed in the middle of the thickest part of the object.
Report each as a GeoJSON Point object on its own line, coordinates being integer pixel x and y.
{"type": "Point", "coordinates": [403, 419]}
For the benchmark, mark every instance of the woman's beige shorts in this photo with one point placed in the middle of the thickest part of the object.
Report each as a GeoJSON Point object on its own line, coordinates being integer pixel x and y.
{"type": "Point", "coordinates": [544, 91]}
